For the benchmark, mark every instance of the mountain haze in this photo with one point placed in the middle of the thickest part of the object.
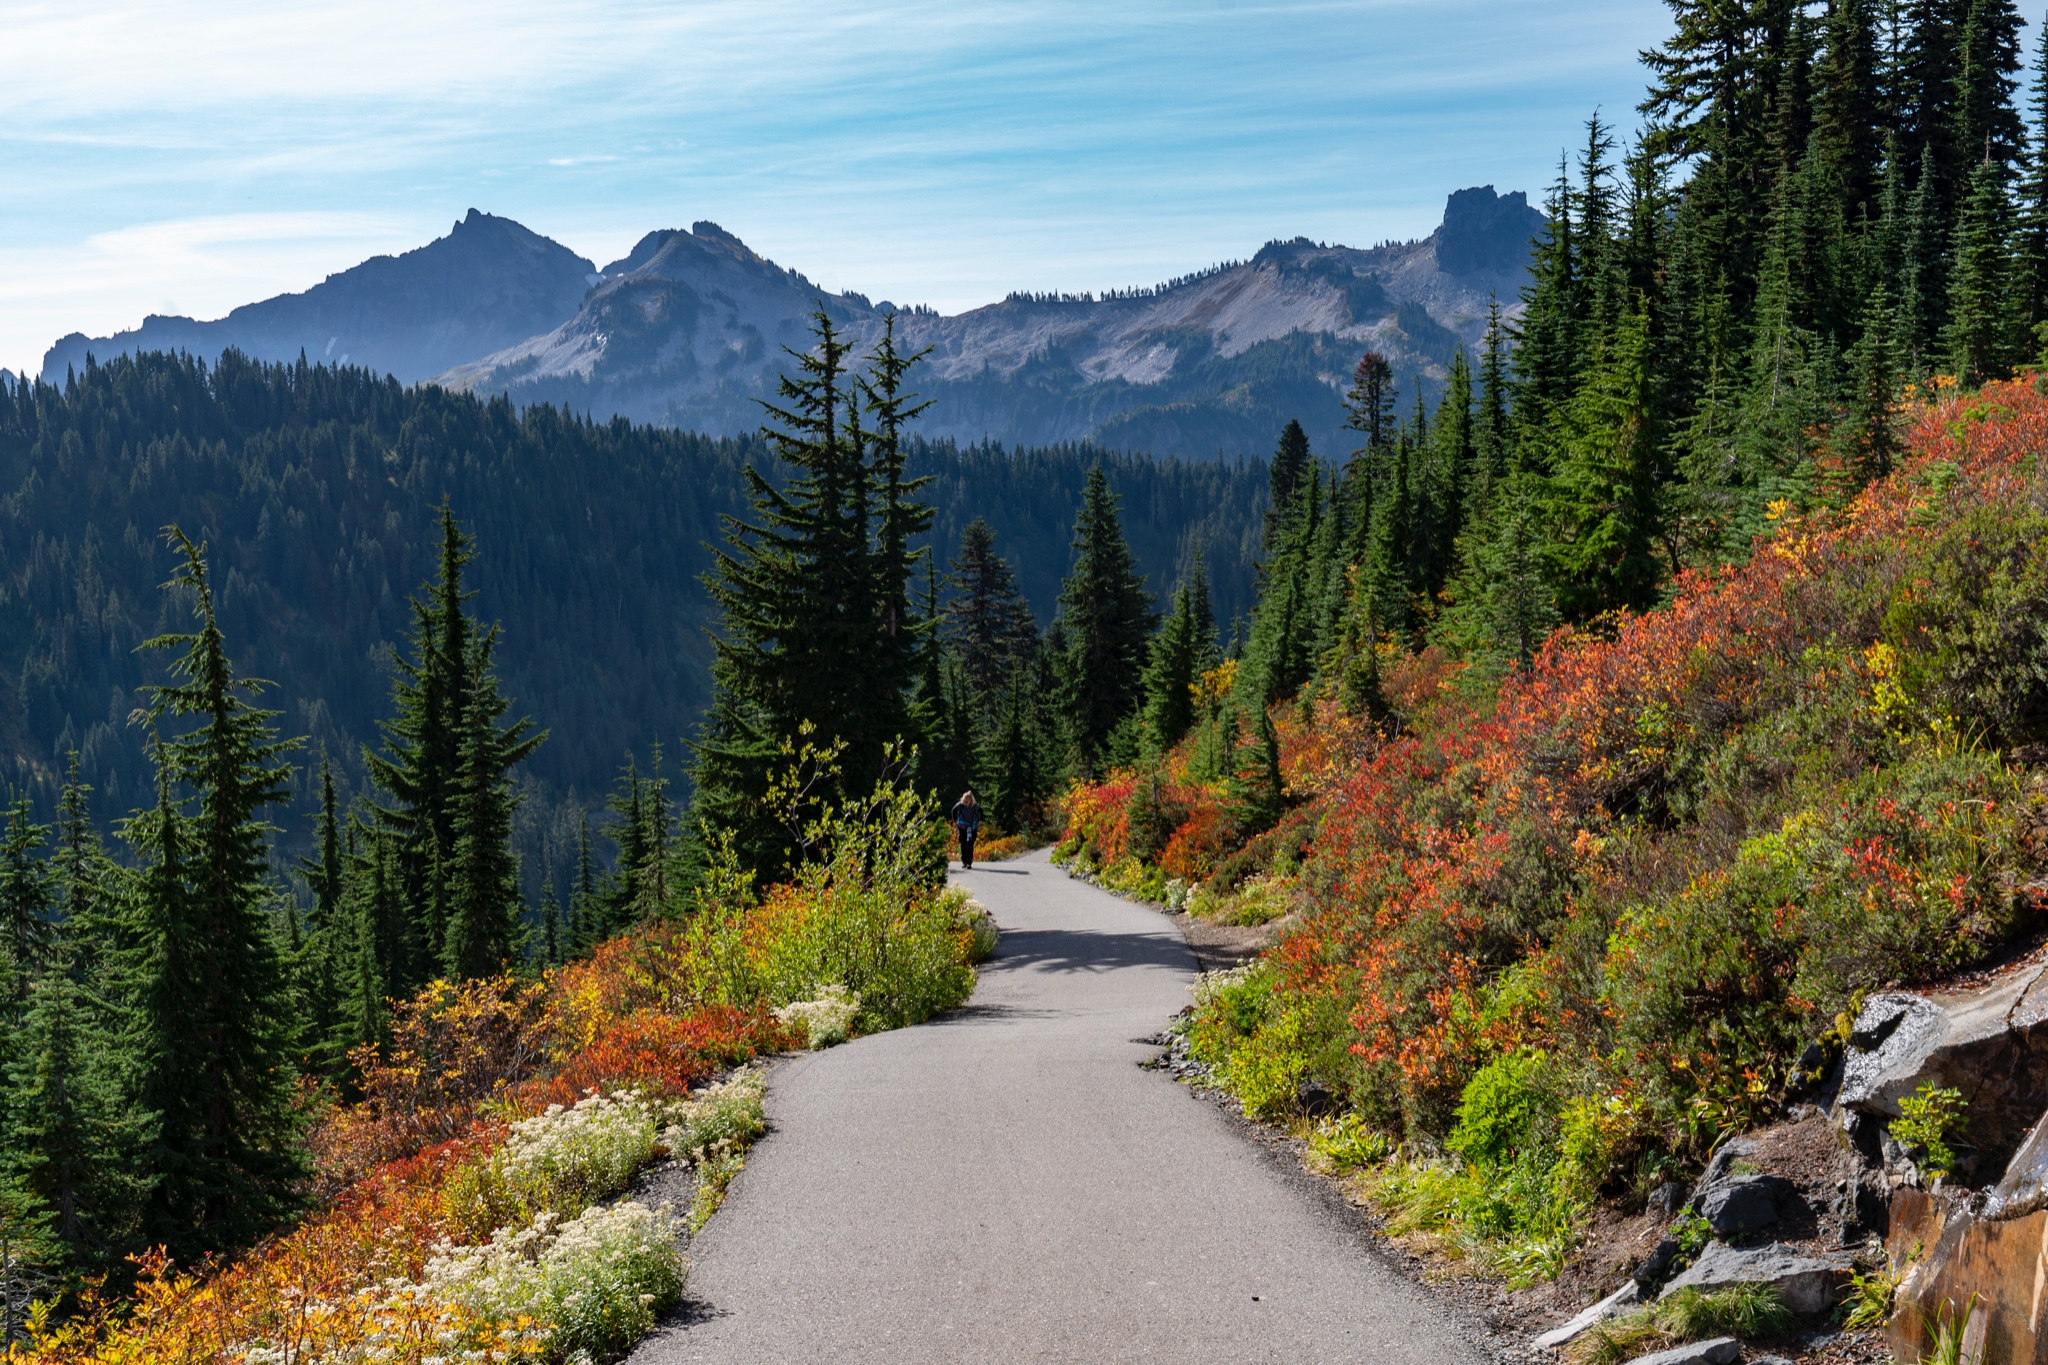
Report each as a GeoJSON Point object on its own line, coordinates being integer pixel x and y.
{"type": "Point", "coordinates": [488, 283]}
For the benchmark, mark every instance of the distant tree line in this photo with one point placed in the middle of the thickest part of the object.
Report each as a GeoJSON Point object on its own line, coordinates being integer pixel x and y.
{"type": "Point", "coordinates": [317, 488]}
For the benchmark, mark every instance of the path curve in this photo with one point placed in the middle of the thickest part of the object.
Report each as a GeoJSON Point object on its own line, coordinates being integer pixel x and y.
{"type": "Point", "coordinates": [1005, 1184]}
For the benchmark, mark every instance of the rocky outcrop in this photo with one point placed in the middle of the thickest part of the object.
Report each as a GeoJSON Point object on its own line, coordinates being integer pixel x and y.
{"type": "Point", "coordinates": [688, 330]}
{"type": "Point", "coordinates": [1953, 1257]}
{"type": "Point", "coordinates": [1745, 1204]}
{"type": "Point", "coordinates": [1807, 1284]}
{"type": "Point", "coordinates": [1990, 1044]}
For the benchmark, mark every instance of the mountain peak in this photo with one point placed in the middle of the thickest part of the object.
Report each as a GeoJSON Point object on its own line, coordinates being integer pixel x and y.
{"type": "Point", "coordinates": [1486, 231]}
{"type": "Point", "coordinates": [488, 283]}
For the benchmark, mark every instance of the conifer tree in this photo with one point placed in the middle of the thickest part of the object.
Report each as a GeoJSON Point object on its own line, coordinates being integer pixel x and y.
{"type": "Point", "coordinates": [806, 590]}
{"type": "Point", "coordinates": [421, 765]}
{"type": "Point", "coordinates": [1449, 474]}
{"type": "Point", "coordinates": [987, 623]}
{"type": "Point", "coordinates": [1490, 431]}
{"type": "Point", "coordinates": [1291, 463]}
{"type": "Point", "coordinates": [26, 932]}
{"type": "Point", "coordinates": [1019, 767]}
{"type": "Point", "coordinates": [1281, 654]}
{"type": "Point", "coordinates": [1603, 500]}
{"type": "Point", "coordinates": [1106, 617]}
{"type": "Point", "coordinates": [483, 926]}
{"type": "Point", "coordinates": [1983, 338]}
{"type": "Point", "coordinates": [72, 1132]}
{"type": "Point", "coordinates": [1520, 607]}
{"type": "Point", "coordinates": [447, 712]}
{"type": "Point", "coordinates": [2030, 241]}
{"type": "Point", "coordinates": [1988, 127]}
{"type": "Point", "coordinates": [226, 1160]}
{"type": "Point", "coordinates": [1178, 653]}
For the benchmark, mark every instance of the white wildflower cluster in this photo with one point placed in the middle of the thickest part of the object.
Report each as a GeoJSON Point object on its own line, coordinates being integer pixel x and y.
{"type": "Point", "coordinates": [981, 927]}
{"type": "Point", "coordinates": [1177, 893]}
{"type": "Point", "coordinates": [729, 1114]}
{"type": "Point", "coordinates": [602, 1280]}
{"type": "Point", "coordinates": [1209, 985]}
{"type": "Point", "coordinates": [825, 1020]}
{"type": "Point", "coordinates": [558, 1161]}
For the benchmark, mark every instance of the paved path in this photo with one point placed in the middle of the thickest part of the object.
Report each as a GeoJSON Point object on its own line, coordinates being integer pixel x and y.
{"type": "Point", "coordinates": [1005, 1184]}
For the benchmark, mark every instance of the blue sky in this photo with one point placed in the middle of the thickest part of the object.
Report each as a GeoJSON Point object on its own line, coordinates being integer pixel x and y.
{"type": "Point", "coordinates": [190, 157]}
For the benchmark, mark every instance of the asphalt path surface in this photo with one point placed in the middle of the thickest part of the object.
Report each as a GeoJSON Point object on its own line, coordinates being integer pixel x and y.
{"type": "Point", "coordinates": [1006, 1184]}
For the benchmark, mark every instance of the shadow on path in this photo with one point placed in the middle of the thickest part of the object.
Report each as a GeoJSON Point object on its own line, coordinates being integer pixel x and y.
{"type": "Point", "coordinates": [1074, 950]}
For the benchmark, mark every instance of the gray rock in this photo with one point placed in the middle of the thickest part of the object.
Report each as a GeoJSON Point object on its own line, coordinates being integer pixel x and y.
{"type": "Point", "coordinates": [1666, 1200]}
{"type": "Point", "coordinates": [1745, 1204]}
{"type": "Point", "coordinates": [1657, 1265]}
{"type": "Point", "coordinates": [2024, 1187]}
{"type": "Point", "coordinates": [1719, 1351]}
{"type": "Point", "coordinates": [1981, 1042]}
{"type": "Point", "coordinates": [1620, 1301]}
{"type": "Point", "coordinates": [1721, 1167]}
{"type": "Point", "coordinates": [1806, 1284]}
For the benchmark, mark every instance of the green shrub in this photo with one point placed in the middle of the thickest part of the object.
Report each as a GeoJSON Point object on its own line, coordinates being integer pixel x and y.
{"type": "Point", "coordinates": [1259, 1043]}
{"type": "Point", "coordinates": [1928, 1118]}
{"type": "Point", "coordinates": [826, 1020]}
{"type": "Point", "coordinates": [729, 1113]}
{"type": "Point", "coordinates": [1517, 1221]}
{"type": "Point", "coordinates": [1502, 1108]}
{"type": "Point", "coordinates": [1342, 1143]}
{"type": "Point", "coordinates": [1869, 1301]}
{"type": "Point", "coordinates": [556, 1163]}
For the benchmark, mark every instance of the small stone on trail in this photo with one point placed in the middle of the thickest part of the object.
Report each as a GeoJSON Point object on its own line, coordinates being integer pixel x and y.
{"type": "Point", "coordinates": [1719, 1351]}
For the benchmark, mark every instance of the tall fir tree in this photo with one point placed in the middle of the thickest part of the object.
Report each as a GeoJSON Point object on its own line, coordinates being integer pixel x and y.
{"type": "Point", "coordinates": [483, 927]}
{"type": "Point", "coordinates": [226, 1163]}
{"type": "Point", "coordinates": [1105, 615]}
{"type": "Point", "coordinates": [1181, 651]}
{"type": "Point", "coordinates": [26, 931]}
{"type": "Point", "coordinates": [987, 622]}
{"type": "Point", "coordinates": [1983, 339]}
{"type": "Point", "coordinates": [805, 590]}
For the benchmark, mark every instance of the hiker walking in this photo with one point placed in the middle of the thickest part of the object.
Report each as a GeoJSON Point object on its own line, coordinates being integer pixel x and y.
{"type": "Point", "coordinates": [966, 820]}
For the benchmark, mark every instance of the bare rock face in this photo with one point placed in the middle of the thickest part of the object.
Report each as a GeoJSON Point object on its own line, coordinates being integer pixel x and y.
{"type": "Point", "coordinates": [1807, 1284]}
{"type": "Point", "coordinates": [1955, 1256]}
{"type": "Point", "coordinates": [1990, 1044]}
{"type": "Point", "coordinates": [2024, 1187]}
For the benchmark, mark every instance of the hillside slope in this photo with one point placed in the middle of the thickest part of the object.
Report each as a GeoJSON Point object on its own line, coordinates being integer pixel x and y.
{"type": "Point", "coordinates": [687, 331]}
{"type": "Point", "coordinates": [1581, 923]}
{"type": "Point", "coordinates": [488, 283]}
{"type": "Point", "coordinates": [317, 490]}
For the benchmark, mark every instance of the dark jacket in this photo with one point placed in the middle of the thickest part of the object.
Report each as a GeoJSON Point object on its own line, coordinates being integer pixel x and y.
{"type": "Point", "coordinates": [967, 816]}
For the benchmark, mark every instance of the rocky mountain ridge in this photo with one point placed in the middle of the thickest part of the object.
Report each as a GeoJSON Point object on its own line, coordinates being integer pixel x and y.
{"type": "Point", "coordinates": [688, 330]}
{"type": "Point", "coordinates": [489, 283]}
